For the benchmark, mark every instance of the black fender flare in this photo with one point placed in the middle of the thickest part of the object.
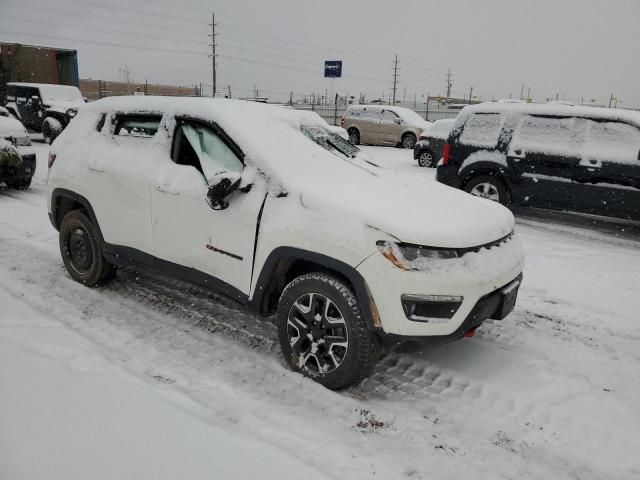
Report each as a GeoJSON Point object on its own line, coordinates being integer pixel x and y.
{"type": "Point", "coordinates": [347, 271]}
{"type": "Point", "coordinates": [62, 193]}
{"type": "Point", "coordinates": [61, 117]}
{"type": "Point", "coordinates": [487, 168]}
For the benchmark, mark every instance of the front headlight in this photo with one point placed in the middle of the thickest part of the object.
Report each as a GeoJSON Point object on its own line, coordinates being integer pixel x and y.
{"type": "Point", "coordinates": [23, 142]}
{"type": "Point", "coordinates": [71, 112]}
{"type": "Point", "coordinates": [411, 257]}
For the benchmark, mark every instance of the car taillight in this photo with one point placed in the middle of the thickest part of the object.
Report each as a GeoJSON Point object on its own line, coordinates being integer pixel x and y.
{"type": "Point", "coordinates": [446, 153]}
{"type": "Point", "coordinates": [52, 158]}
{"type": "Point", "coordinates": [342, 122]}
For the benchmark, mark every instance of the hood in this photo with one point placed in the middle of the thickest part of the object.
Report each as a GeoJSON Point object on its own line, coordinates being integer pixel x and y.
{"type": "Point", "coordinates": [63, 105]}
{"type": "Point", "coordinates": [417, 212]}
{"type": "Point", "coordinates": [10, 127]}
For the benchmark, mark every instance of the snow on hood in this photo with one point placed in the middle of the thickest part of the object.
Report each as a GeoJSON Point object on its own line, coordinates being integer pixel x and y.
{"type": "Point", "coordinates": [63, 105]}
{"type": "Point", "coordinates": [10, 127]}
{"type": "Point", "coordinates": [412, 211]}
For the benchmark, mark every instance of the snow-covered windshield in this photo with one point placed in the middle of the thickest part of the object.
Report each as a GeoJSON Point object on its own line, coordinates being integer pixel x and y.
{"type": "Point", "coordinates": [60, 93]}
{"type": "Point", "coordinates": [329, 140]}
{"type": "Point", "coordinates": [408, 115]}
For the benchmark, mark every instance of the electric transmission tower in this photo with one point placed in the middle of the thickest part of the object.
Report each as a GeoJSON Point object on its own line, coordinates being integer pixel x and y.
{"type": "Point", "coordinates": [395, 78]}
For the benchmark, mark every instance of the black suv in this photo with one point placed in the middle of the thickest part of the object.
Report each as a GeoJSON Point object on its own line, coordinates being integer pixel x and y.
{"type": "Point", "coordinates": [580, 159]}
{"type": "Point", "coordinates": [43, 107]}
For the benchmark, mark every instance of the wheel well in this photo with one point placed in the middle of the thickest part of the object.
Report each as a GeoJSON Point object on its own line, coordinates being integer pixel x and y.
{"type": "Point", "coordinates": [468, 176]}
{"type": "Point", "coordinates": [287, 269]}
{"type": "Point", "coordinates": [353, 129]}
{"type": "Point", "coordinates": [63, 206]}
{"type": "Point", "coordinates": [409, 133]}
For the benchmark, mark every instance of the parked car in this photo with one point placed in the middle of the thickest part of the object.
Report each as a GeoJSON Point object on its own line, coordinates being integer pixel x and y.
{"type": "Point", "coordinates": [428, 149]}
{"type": "Point", "coordinates": [382, 125]}
{"type": "Point", "coordinates": [237, 197]}
{"type": "Point", "coordinates": [4, 112]}
{"type": "Point", "coordinates": [580, 159]}
{"type": "Point", "coordinates": [17, 158]}
{"type": "Point", "coordinates": [44, 107]}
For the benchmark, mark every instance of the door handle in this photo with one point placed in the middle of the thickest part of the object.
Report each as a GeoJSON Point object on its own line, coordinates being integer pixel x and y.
{"type": "Point", "coordinates": [163, 189]}
{"type": "Point", "coordinates": [518, 153]}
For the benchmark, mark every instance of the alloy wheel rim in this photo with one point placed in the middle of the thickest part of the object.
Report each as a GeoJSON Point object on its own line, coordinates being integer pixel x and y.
{"type": "Point", "coordinates": [408, 142]}
{"type": "Point", "coordinates": [317, 334]}
{"type": "Point", "coordinates": [353, 138]}
{"type": "Point", "coordinates": [486, 190]}
{"type": "Point", "coordinates": [425, 159]}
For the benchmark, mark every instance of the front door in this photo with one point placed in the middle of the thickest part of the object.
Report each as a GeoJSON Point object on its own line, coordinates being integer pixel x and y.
{"type": "Point", "coordinates": [29, 108]}
{"type": "Point", "coordinates": [187, 231]}
{"type": "Point", "coordinates": [389, 128]}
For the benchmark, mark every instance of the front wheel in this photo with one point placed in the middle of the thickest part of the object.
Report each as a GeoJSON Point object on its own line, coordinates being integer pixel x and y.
{"type": "Point", "coordinates": [322, 332]}
{"type": "Point", "coordinates": [354, 136]}
{"type": "Point", "coordinates": [81, 250]}
{"type": "Point", "coordinates": [489, 187]}
{"type": "Point", "coordinates": [51, 128]}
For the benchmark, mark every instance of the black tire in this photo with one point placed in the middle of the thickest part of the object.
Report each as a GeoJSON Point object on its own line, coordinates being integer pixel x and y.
{"type": "Point", "coordinates": [81, 250]}
{"type": "Point", "coordinates": [495, 188]}
{"type": "Point", "coordinates": [344, 365]}
{"type": "Point", "coordinates": [21, 184]}
{"type": "Point", "coordinates": [51, 128]}
{"type": "Point", "coordinates": [354, 136]}
{"type": "Point", "coordinates": [425, 159]}
{"type": "Point", "coordinates": [408, 140]}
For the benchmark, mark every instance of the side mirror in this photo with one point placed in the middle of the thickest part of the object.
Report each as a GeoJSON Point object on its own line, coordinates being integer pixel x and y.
{"type": "Point", "coordinates": [219, 191]}
{"type": "Point", "coordinates": [35, 99]}
{"type": "Point", "coordinates": [85, 99]}
{"type": "Point", "coordinates": [397, 120]}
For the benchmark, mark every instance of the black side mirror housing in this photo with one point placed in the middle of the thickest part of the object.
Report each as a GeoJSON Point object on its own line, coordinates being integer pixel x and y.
{"type": "Point", "coordinates": [397, 120]}
{"type": "Point", "coordinates": [35, 99]}
{"type": "Point", "coordinates": [218, 192]}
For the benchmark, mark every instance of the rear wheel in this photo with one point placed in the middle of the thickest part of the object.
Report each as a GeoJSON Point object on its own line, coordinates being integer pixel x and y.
{"type": "Point", "coordinates": [408, 140]}
{"type": "Point", "coordinates": [425, 159]}
{"type": "Point", "coordinates": [354, 136]}
{"type": "Point", "coordinates": [81, 250]}
{"type": "Point", "coordinates": [489, 187]}
{"type": "Point", "coordinates": [322, 332]}
{"type": "Point", "coordinates": [51, 128]}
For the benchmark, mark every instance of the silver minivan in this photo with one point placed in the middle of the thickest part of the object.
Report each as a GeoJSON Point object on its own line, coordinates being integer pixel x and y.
{"type": "Point", "coordinates": [383, 125]}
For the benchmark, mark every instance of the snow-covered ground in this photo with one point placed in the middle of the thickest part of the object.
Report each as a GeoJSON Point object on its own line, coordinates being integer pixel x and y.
{"type": "Point", "coordinates": [151, 378]}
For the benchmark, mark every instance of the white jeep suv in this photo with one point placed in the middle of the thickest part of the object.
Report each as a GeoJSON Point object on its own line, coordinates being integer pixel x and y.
{"type": "Point", "coordinates": [249, 201]}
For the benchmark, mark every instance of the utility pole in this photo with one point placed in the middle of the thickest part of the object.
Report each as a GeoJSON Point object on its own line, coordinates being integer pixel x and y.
{"type": "Point", "coordinates": [521, 91]}
{"type": "Point", "coordinates": [610, 100]}
{"type": "Point", "coordinates": [395, 78]}
{"type": "Point", "coordinates": [470, 95]}
{"type": "Point", "coordinates": [449, 84]}
{"type": "Point", "coordinates": [213, 54]}
{"type": "Point", "coordinates": [291, 98]}
{"type": "Point", "coordinates": [229, 90]}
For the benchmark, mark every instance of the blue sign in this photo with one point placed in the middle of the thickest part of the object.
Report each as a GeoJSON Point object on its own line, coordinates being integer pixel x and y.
{"type": "Point", "coordinates": [333, 68]}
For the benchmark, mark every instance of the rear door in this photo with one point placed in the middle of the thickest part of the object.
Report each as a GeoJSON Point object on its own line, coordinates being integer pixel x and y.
{"type": "Point", "coordinates": [611, 155]}
{"type": "Point", "coordinates": [368, 125]}
{"type": "Point", "coordinates": [546, 152]}
{"type": "Point", "coordinates": [118, 171]}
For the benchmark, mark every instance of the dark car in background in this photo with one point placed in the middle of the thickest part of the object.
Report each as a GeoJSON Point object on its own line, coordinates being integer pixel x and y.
{"type": "Point", "coordinates": [579, 159]}
{"type": "Point", "coordinates": [17, 158]}
{"type": "Point", "coordinates": [428, 149]}
{"type": "Point", "coordinates": [43, 107]}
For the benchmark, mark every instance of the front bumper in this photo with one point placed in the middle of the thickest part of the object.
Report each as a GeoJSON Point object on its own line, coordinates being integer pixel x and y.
{"type": "Point", "coordinates": [24, 171]}
{"type": "Point", "coordinates": [481, 288]}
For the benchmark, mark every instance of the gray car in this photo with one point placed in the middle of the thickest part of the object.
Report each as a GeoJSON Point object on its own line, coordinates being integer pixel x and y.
{"type": "Point", "coordinates": [383, 125]}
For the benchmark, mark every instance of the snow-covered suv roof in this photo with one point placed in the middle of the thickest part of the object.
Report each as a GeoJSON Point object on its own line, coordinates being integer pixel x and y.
{"type": "Point", "coordinates": [560, 110]}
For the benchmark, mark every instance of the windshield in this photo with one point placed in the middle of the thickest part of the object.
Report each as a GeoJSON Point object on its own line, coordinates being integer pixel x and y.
{"type": "Point", "coordinates": [408, 115]}
{"type": "Point", "coordinates": [330, 141]}
{"type": "Point", "coordinates": [60, 93]}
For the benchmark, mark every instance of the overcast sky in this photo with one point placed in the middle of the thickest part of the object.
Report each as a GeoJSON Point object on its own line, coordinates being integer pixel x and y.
{"type": "Point", "coordinates": [574, 48]}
